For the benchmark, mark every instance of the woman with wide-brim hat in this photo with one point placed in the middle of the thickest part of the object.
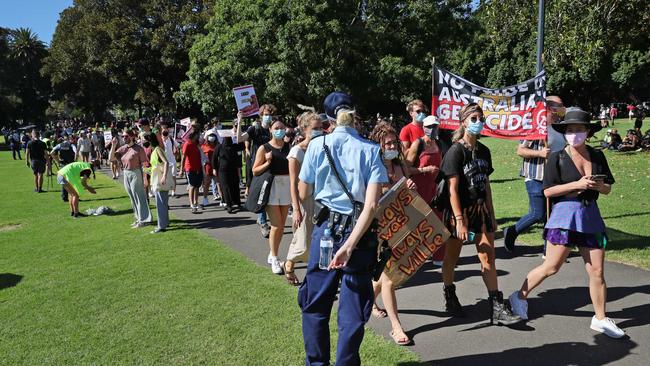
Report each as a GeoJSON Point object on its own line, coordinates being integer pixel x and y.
{"type": "Point", "coordinates": [573, 180]}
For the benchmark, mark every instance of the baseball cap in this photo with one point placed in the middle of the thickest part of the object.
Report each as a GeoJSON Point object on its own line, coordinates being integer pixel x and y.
{"type": "Point", "coordinates": [430, 121]}
{"type": "Point", "coordinates": [335, 102]}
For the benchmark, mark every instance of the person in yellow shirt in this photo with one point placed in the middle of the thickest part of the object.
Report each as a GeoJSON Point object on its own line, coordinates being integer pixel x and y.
{"type": "Point", "coordinates": [74, 179]}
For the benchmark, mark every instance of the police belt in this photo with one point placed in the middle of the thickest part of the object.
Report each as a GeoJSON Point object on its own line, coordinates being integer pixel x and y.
{"type": "Point", "coordinates": [338, 222]}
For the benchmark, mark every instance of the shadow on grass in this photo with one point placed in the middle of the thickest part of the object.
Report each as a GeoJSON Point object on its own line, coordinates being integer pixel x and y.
{"type": "Point", "coordinates": [8, 280]}
{"type": "Point", "coordinates": [497, 181]}
{"type": "Point", "coordinates": [104, 199]}
{"type": "Point", "coordinates": [622, 240]}
{"type": "Point", "coordinates": [631, 214]}
{"type": "Point", "coordinates": [604, 351]}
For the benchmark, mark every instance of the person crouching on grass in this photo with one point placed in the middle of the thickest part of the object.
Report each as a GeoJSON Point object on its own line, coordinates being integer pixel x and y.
{"type": "Point", "coordinates": [74, 178]}
{"type": "Point", "coordinates": [573, 179]}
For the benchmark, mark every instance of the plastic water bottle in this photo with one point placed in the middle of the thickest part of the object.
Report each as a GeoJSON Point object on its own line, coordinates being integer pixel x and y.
{"type": "Point", "coordinates": [326, 249]}
{"type": "Point", "coordinates": [470, 237]}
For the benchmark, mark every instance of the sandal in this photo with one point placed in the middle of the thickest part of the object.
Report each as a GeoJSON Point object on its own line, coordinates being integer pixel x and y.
{"type": "Point", "coordinates": [403, 341]}
{"type": "Point", "coordinates": [377, 312]}
{"type": "Point", "coordinates": [290, 276]}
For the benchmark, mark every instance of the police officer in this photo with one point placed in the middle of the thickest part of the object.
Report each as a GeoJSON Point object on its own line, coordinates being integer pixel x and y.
{"type": "Point", "coordinates": [65, 152]}
{"type": "Point", "coordinates": [360, 167]}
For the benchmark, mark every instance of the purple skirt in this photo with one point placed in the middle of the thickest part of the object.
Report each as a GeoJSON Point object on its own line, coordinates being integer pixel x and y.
{"type": "Point", "coordinates": [573, 223]}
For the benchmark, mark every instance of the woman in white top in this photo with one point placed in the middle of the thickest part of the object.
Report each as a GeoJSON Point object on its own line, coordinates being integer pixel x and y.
{"type": "Point", "coordinates": [170, 151]}
{"type": "Point", "coordinates": [310, 127]}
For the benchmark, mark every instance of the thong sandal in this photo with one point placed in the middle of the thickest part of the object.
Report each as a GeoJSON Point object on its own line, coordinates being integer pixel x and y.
{"type": "Point", "coordinates": [290, 276]}
{"type": "Point", "coordinates": [400, 341]}
{"type": "Point", "coordinates": [378, 313]}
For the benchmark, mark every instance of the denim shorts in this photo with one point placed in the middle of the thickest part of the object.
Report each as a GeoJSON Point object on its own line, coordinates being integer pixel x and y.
{"type": "Point", "coordinates": [61, 180]}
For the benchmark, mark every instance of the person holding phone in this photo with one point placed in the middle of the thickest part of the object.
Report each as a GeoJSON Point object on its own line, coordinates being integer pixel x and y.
{"type": "Point", "coordinates": [574, 178]}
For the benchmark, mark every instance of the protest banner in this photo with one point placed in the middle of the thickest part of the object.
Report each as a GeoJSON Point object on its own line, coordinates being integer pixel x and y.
{"type": "Point", "coordinates": [411, 228]}
{"type": "Point", "coordinates": [187, 121]}
{"type": "Point", "coordinates": [514, 112]}
{"type": "Point", "coordinates": [246, 100]}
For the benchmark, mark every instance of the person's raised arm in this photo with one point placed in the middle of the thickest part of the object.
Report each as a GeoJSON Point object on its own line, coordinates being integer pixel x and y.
{"type": "Point", "coordinates": [370, 207]}
{"type": "Point", "coordinates": [241, 137]}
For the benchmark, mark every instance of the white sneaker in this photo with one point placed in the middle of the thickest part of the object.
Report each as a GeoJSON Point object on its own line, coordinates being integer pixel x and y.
{"type": "Point", "coordinates": [269, 259]}
{"type": "Point", "coordinates": [205, 201]}
{"type": "Point", "coordinates": [275, 266]}
{"type": "Point", "coordinates": [519, 306]}
{"type": "Point", "coordinates": [607, 326]}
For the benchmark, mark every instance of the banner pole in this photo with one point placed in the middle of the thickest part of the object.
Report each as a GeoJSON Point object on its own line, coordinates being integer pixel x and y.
{"type": "Point", "coordinates": [433, 83]}
{"type": "Point", "coordinates": [540, 35]}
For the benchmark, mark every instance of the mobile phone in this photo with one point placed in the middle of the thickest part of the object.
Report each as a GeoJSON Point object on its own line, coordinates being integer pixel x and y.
{"type": "Point", "coordinates": [598, 177]}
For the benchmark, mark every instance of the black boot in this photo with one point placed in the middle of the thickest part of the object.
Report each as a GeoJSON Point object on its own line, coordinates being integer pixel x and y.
{"type": "Point", "coordinates": [500, 313]}
{"type": "Point", "coordinates": [452, 305]}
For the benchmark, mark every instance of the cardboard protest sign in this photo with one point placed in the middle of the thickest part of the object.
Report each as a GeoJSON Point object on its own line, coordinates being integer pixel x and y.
{"type": "Point", "coordinates": [514, 112]}
{"type": "Point", "coordinates": [187, 121]}
{"type": "Point", "coordinates": [412, 230]}
{"type": "Point", "coordinates": [180, 131]}
{"type": "Point", "coordinates": [246, 100]}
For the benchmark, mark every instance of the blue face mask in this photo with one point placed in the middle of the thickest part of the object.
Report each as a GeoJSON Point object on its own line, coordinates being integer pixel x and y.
{"type": "Point", "coordinates": [279, 134]}
{"type": "Point", "coordinates": [316, 133]}
{"type": "Point", "coordinates": [266, 119]}
{"type": "Point", "coordinates": [475, 128]}
{"type": "Point", "coordinates": [420, 117]}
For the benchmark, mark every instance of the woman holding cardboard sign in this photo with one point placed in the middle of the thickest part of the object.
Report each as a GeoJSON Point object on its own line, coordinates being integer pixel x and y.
{"type": "Point", "coordinates": [386, 136]}
{"type": "Point", "coordinates": [470, 215]}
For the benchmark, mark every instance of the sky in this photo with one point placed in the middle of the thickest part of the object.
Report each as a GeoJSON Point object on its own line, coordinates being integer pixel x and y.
{"type": "Point", "coordinates": [39, 15]}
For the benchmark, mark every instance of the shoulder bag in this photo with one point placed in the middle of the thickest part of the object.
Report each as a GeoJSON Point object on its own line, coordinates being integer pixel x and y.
{"type": "Point", "coordinates": [259, 191]}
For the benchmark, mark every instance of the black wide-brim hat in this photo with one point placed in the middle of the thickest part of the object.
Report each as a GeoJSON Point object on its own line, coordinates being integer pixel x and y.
{"type": "Point", "coordinates": [576, 116]}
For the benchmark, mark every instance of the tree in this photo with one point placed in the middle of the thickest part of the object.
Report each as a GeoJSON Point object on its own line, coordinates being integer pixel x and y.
{"type": "Point", "coordinates": [125, 53]}
{"type": "Point", "coordinates": [24, 93]}
{"type": "Point", "coordinates": [296, 52]}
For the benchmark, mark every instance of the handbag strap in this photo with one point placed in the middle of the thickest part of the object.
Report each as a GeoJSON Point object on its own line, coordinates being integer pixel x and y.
{"type": "Point", "coordinates": [336, 173]}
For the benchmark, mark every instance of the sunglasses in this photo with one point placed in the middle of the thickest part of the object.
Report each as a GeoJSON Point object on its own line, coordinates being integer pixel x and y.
{"type": "Point", "coordinates": [418, 111]}
{"type": "Point", "coordinates": [475, 119]}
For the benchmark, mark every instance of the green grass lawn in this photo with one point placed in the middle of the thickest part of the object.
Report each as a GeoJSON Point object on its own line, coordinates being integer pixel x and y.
{"type": "Point", "coordinates": [93, 291]}
{"type": "Point", "coordinates": [626, 209]}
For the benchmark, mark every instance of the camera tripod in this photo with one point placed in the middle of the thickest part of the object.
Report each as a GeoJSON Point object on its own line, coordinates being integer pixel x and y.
{"type": "Point", "coordinates": [50, 173]}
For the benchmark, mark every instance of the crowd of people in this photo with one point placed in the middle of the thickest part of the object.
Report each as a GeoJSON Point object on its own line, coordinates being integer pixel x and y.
{"type": "Point", "coordinates": [329, 171]}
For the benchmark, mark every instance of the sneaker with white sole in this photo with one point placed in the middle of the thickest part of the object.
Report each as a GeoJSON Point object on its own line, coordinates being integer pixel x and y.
{"type": "Point", "coordinates": [269, 259]}
{"type": "Point", "coordinates": [607, 326]}
{"type": "Point", "coordinates": [275, 266]}
{"type": "Point", "coordinates": [519, 306]}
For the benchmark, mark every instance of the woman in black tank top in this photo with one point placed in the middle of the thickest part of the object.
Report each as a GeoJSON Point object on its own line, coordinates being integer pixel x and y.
{"type": "Point", "coordinates": [273, 156]}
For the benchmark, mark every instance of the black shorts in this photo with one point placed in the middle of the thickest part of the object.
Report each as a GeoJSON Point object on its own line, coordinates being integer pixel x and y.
{"type": "Point", "coordinates": [195, 179]}
{"type": "Point", "coordinates": [478, 217]}
{"type": "Point", "coordinates": [38, 166]}
{"type": "Point", "coordinates": [638, 123]}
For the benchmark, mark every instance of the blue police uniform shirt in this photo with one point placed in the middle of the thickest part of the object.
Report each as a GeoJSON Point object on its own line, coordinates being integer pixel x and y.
{"type": "Point", "coordinates": [357, 161]}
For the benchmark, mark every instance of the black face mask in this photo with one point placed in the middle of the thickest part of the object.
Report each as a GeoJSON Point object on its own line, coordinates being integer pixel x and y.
{"type": "Point", "coordinates": [165, 133]}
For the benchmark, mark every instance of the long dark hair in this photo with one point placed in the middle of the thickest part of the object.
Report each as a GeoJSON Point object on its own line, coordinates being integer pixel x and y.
{"type": "Point", "coordinates": [151, 138]}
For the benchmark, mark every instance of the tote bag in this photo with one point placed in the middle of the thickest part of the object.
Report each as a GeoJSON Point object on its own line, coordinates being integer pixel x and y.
{"type": "Point", "coordinates": [258, 194]}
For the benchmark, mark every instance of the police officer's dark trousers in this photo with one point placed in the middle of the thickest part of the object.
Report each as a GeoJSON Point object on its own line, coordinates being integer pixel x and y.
{"type": "Point", "coordinates": [316, 296]}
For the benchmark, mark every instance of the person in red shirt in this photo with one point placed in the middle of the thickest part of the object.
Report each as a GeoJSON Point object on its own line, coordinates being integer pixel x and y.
{"type": "Point", "coordinates": [414, 130]}
{"type": "Point", "coordinates": [193, 168]}
{"type": "Point", "coordinates": [208, 149]}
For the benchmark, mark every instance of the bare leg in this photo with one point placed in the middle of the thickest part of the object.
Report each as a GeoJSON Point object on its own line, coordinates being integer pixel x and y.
{"type": "Point", "coordinates": [485, 250]}
{"type": "Point", "coordinates": [594, 262]}
{"type": "Point", "coordinates": [452, 252]}
{"type": "Point", "coordinates": [555, 257]}
{"type": "Point", "coordinates": [390, 303]}
{"type": "Point", "coordinates": [277, 217]}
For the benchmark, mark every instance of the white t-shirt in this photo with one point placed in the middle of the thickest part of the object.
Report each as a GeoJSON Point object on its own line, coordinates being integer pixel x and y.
{"type": "Point", "coordinates": [83, 145]}
{"type": "Point", "coordinates": [296, 153]}
{"type": "Point", "coordinates": [169, 150]}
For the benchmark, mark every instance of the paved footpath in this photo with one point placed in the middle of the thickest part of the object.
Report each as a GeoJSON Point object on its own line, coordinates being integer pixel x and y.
{"type": "Point", "coordinates": [560, 310]}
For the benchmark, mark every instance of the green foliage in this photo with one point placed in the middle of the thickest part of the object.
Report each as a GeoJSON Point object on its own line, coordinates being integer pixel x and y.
{"type": "Point", "coordinates": [299, 51]}
{"type": "Point", "coordinates": [24, 93]}
{"type": "Point", "coordinates": [595, 51]}
{"type": "Point", "coordinates": [124, 53]}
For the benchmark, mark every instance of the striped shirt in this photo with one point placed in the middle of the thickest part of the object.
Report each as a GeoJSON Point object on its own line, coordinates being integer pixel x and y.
{"type": "Point", "coordinates": [533, 168]}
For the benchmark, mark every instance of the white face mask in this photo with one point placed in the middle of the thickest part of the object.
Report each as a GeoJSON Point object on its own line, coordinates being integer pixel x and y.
{"type": "Point", "coordinates": [391, 154]}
